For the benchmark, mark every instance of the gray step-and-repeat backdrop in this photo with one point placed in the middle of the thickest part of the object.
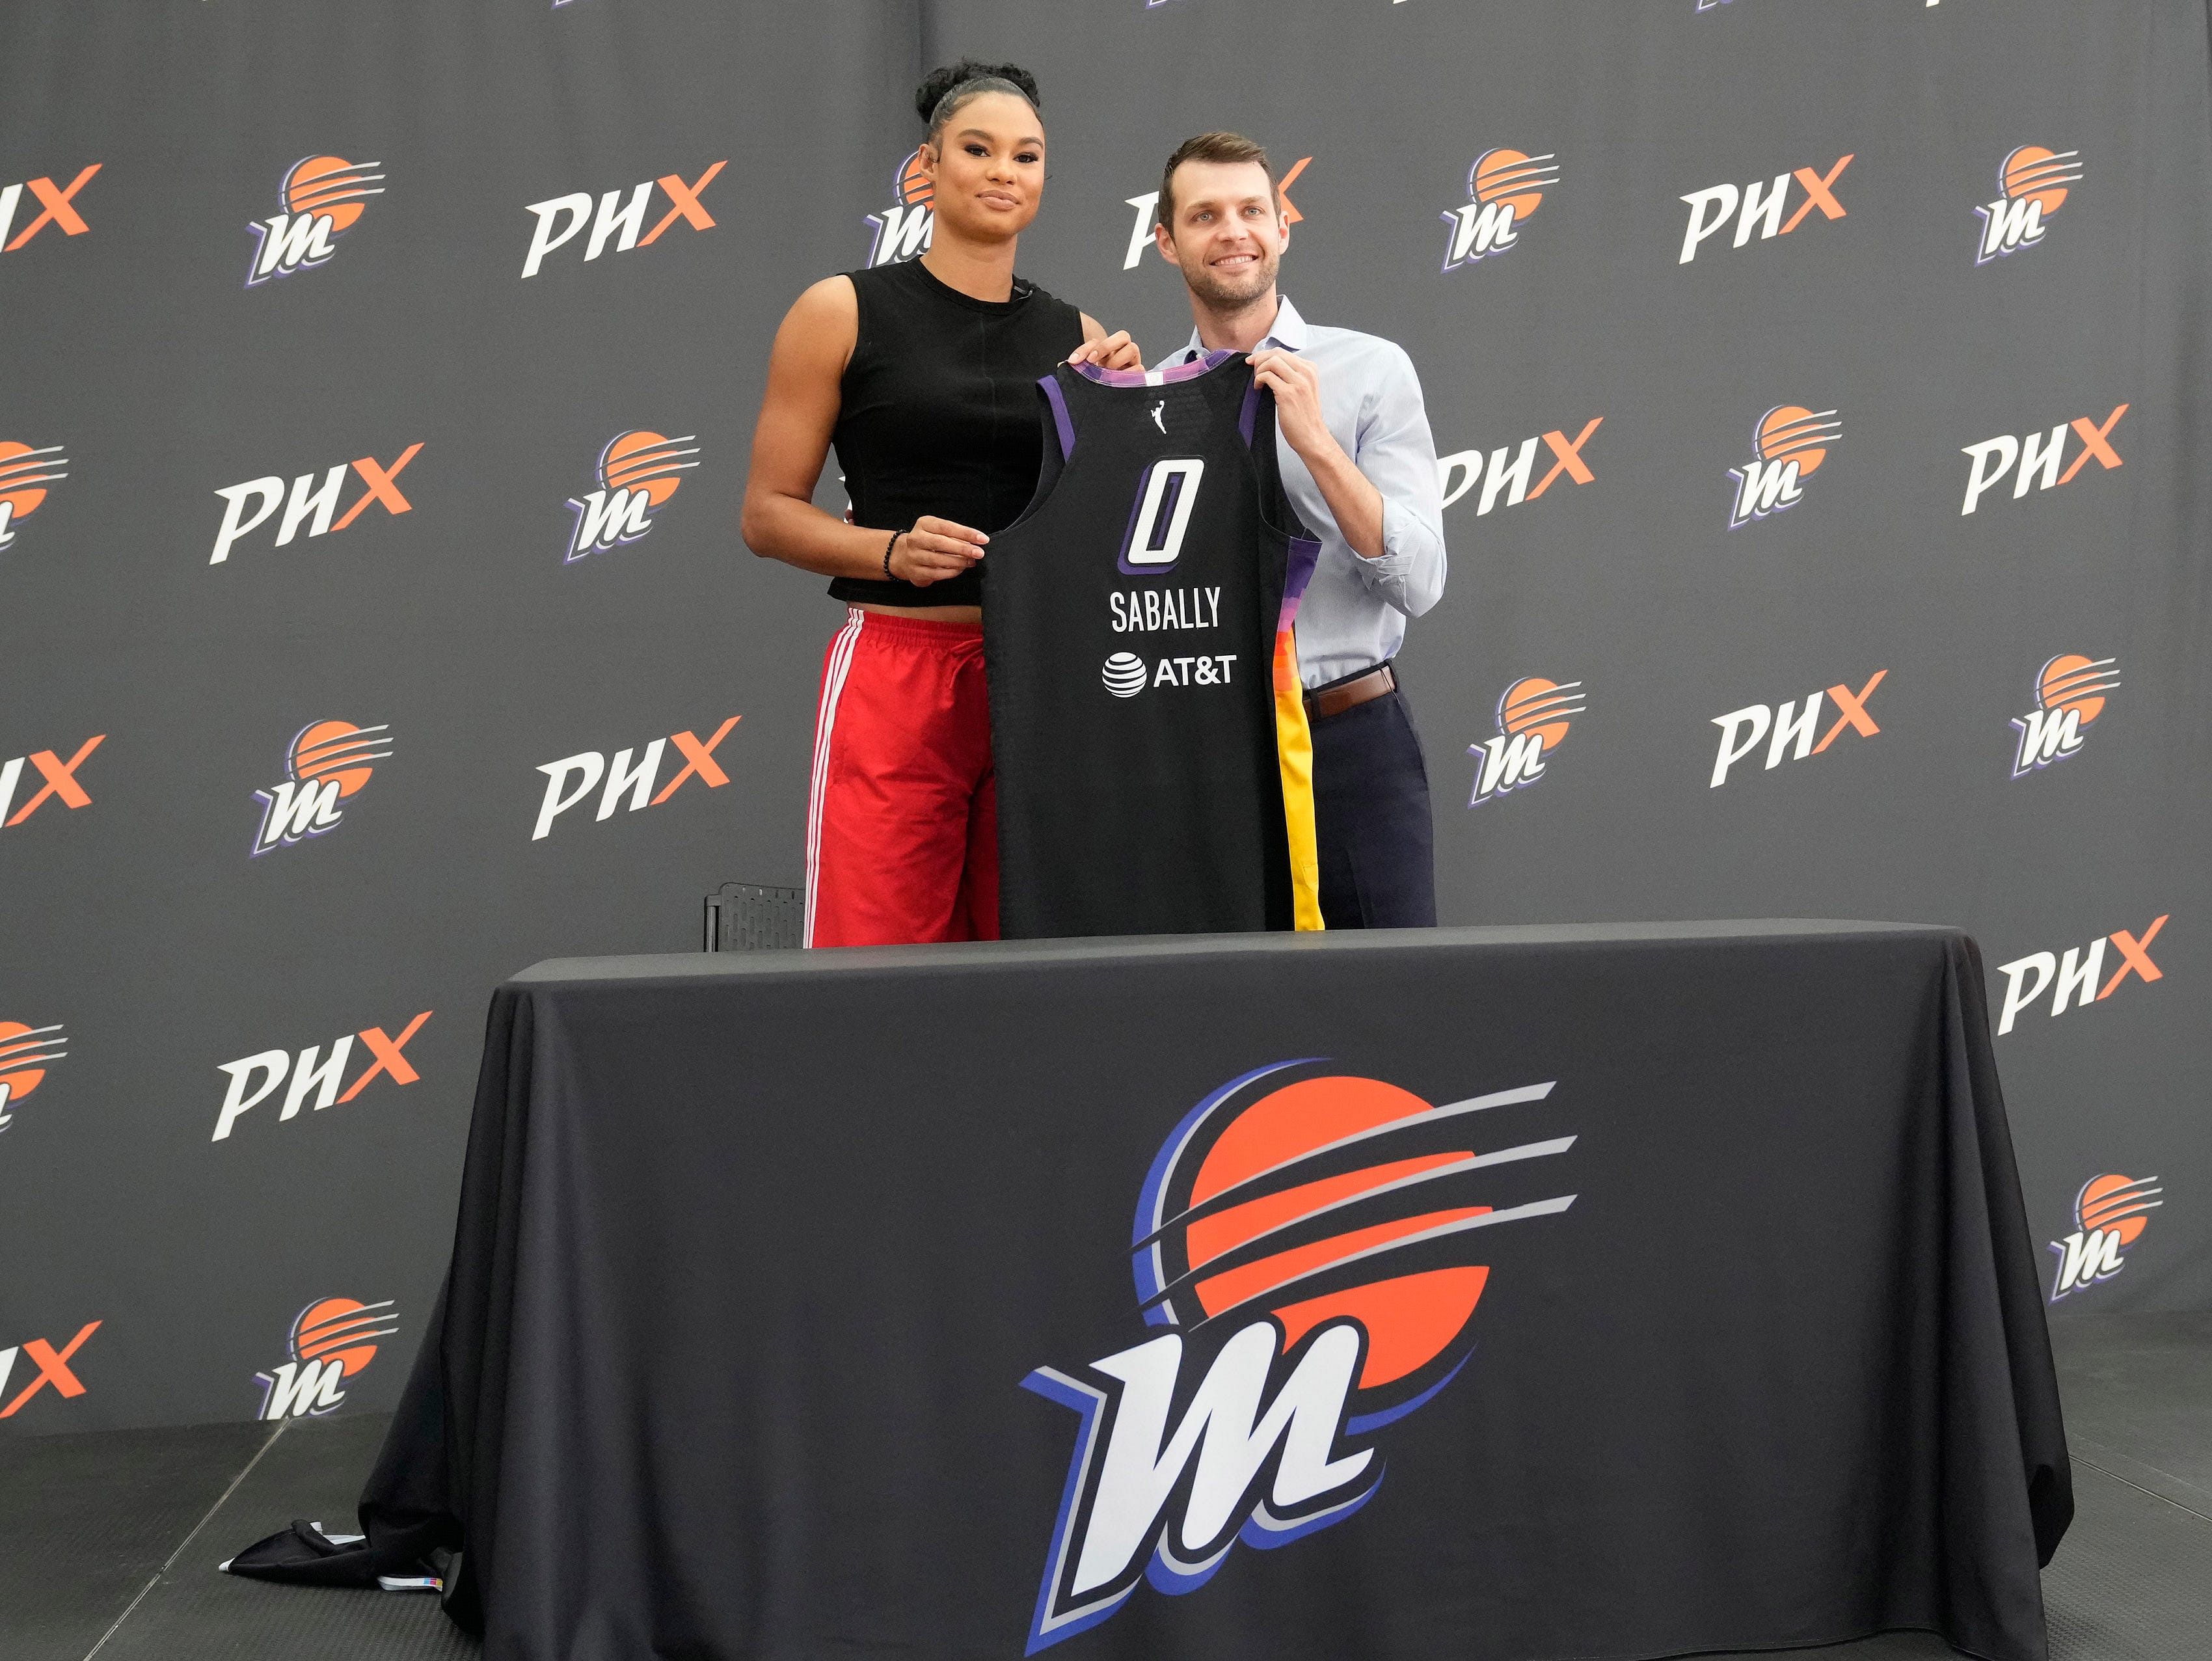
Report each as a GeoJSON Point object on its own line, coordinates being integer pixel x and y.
{"type": "Point", "coordinates": [1823, 396]}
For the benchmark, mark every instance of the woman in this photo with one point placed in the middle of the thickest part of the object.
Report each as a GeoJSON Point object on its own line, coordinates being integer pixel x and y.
{"type": "Point", "coordinates": [923, 376]}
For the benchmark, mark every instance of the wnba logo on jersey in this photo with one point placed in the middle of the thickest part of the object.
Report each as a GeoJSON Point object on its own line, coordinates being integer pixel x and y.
{"type": "Point", "coordinates": [323, 195]}
{"type": "Point", "coordinates": [1504, 187]}
{"type": "Point", "coordinates": [2110, 1214]}
{"type": "Point", "coordinates": [1305, 1245]}
{"type": "Point", "coordinates": [328, 762]}
{"type": "Point", "coordinates": [2069, 694]}
{"type": "Point", "coordinates": [1533, 718]}
{"type": "Point", "coordinates": [2032, 185]}
{"type": "Point", "coordinates": [904, 229]}
{"type": "Point", "coordinates": [25, 472]}
{"type": "Point", "coordinates": [1788, 445]}
{"type": "Point", "coordinates": [637, 473]}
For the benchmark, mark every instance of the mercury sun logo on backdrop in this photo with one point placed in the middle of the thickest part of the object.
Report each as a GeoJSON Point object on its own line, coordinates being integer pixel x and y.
{"type": "Point", "coordinates": [26, 1053]}
{"type": "Point", "coordinates": [2031, 184]}
{"type": "Point", "coordinates": [332, 1340]}
{"type": "Point", "coordinates": [322, 196]}
{"type": "Point", "coordinates": [26, 470]}
{"type": "Point", "coordinates": [2069, 694]}
{"type": "Point", "coordinates": [637, 473]}
{"type": "Point", "coordinates": [1533, 718]}
{"type": "Point", "coordinates": [2110, 1214]}
{"type": "Point", "coordinates": [57, 205]}
{"type": "Point", "coordinates": [1305, 1246]}
{"type": "Point", "coordinates": [327, 762]}
{"type": "Point", "coordinates": [1503, 188]}
{"type": "Point", "coordinates": [1789, 443]}
{"type": "Point", "coordinates": [904, 229]}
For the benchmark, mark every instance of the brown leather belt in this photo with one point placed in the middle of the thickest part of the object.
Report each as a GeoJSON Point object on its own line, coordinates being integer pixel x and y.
{"type": "Point", "coordinates": [1335, 700]}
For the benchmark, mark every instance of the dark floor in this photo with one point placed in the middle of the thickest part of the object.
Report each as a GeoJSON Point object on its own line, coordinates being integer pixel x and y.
{"type": "Point", "coordinates": [109, 1543]}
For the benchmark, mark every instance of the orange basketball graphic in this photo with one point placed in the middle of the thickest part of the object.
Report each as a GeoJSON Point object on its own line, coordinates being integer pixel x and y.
{"type": "Point", "coordinates": [25, 472]}
{"type": "Point", "coordinates": [26, 1052]}
{"type": "Point", "coordinates": [646, 461]}
{"type": "Point", "coordinates": [341, 1329]}
{"type": "Point", "coordinates": [913, 186]}
{"type": "Point", "coordinates": [2120, 1204]}
{"type": "Point", "coordinates": [331, 187]}
{"type": "Point", "coordinates": [1512, 178]}
{"type": "Point", "coordinates": [2070, 681]}
{"type": "Point", "coordinates": [1330, 1198]}
{"type": "Point", "coordinates": [338, 750]}
{"type": "Point", "coordinates": [1544, 706]}
{"type": "Point", "coordinates": [2040, 175]}
{"type": "Point", "coordinates": [1801, 435]}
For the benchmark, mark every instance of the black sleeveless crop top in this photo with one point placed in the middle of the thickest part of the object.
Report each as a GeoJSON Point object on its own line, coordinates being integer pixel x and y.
{"type": "Point", "coordinates": [940, 412]}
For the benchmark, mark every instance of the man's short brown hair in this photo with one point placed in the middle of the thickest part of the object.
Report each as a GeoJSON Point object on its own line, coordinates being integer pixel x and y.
{"type": "Point", "coordinates": [1231, 147]}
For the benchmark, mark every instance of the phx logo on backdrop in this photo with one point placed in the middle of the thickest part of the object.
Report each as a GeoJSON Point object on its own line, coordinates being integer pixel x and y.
{"type": "Point", "coordinates": [1534, 716]}
{"type": "Point", "coordinates": [1762, 201]}
{"type": "Point", "coordinates": [332, 1340]}
{"type": "Point", "coordinates": [561, 219]}
{"type": "Point", "coordinates": [2077, 979]}
{"type": "Point", "coordinates": [637, 471]}
{"type": "Point", "coordinates": [26, 470]}
{"type": "Point", "coordinates": [328, 762]}
{"type": "Point", "coordinates": [1308, 1248]}
{"type": "Point", "coordinates": [322, 196]}
{"type": "Point", "coordinates": [53, 1369]}
{"type": "Point", "coordinates": [57, 207]}
{"type": "Point", "coordinates": [2032, 185]}
{"type": "Point", "coordinates": [62, 784]}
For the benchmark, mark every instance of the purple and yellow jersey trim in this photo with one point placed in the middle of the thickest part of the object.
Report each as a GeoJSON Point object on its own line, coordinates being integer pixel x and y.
{"type": "Point", "coordinates": [1294, 742]}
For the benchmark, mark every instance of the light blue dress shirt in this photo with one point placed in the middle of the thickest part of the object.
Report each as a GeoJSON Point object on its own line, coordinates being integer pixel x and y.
{"type": "Point", "coordinates": [1354, 612]}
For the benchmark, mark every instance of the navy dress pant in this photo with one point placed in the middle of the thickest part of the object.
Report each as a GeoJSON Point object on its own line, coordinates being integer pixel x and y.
{"type": "Point", "coordinates": [1371, 814]}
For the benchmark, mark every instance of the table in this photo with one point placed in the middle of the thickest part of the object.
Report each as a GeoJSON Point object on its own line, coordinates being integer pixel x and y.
{"type": "Point", "coordinates": [1482, 1293]}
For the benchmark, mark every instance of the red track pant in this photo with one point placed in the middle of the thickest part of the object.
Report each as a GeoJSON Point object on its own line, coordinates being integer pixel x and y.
{"type": "Point", "coordinates": [901, 820]}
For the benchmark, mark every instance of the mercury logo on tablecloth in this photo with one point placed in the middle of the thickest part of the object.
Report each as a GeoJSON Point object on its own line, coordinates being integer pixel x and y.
{"type": "Point", "coordinates": [1304, 1243]}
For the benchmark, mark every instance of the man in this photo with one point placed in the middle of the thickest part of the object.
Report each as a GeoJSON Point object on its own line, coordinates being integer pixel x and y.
{"type": "Point", "coordinates": [1361, 469]}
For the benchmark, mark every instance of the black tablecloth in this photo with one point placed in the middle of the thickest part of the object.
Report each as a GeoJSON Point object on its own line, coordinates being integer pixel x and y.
{"type": "Point", "coordinates": [794, 1301]}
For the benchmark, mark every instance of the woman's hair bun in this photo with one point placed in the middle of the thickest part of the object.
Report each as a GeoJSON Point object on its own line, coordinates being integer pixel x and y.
{"type": "Point", "coordinates": [941, 81]}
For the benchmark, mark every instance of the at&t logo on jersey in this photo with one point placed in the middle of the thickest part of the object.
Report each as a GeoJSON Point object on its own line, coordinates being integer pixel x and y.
{"type": "Point", "coordinates": [2069, 694]}
{"type": "Point", "coordinates": [1762, 201]}
{"type": "Point", "coordinates": [561, 218]}
{"type": "Point", "coordinates": [637, 471]}
{"type": "Point", "coordinates": [2032, 183]}
{"type": "Point", "coordinates": [1307, 1249]}
{"type": "Point", "coordinates": [2079, 974]}
{"type": "Point", "coordinates": [323, 195]}
{"type": "Point", "coordinates": [25, 473]}
{"type": "Point", "coordinates": [332, 1340]}
{"type": "Point", "coordinates": [57, 207]}
{"type": "Point", "coordinates": [328, 762]}
{"type": "Point", "coordinates": [1503, 188]}
{"type": "Point", "coordinates": [1533, 718]}
{"type": "Point", "coordinates": [904, 229]}
{"type": "Point", "coordinates": [1788, 444]}
{"type": "Point", "coordinates": [26, 1053]}
{"type": "Point", "coordinates": [2110, 1214]}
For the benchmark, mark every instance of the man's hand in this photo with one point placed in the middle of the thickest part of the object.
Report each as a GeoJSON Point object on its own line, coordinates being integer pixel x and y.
{"type": "Point", "coordinates": [1296, 386]}
{"type": "Point", "coordinates": [934, 550]}
{"type": "Point", "coordinates": [1110, 352]}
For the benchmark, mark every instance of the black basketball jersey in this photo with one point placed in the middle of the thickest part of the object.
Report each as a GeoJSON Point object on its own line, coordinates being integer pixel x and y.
{"type": "Point", "coordinates": [1154, 765]}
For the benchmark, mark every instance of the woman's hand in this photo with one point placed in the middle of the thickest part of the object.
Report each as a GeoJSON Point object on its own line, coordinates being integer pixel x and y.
{"type": "Point", "coordinates": [1110, 352]}
{"type": "Point", "coordinates": [934, 550]}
